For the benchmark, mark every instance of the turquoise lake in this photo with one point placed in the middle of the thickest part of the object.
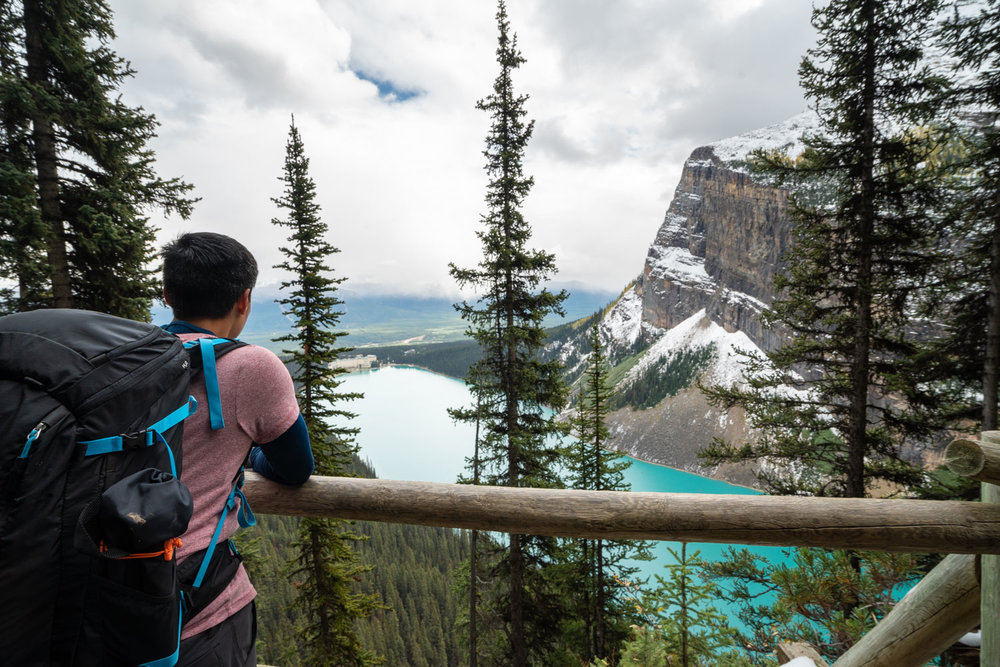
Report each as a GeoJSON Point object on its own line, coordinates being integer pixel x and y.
{"type": "Point", "coordinates": [406, 434]}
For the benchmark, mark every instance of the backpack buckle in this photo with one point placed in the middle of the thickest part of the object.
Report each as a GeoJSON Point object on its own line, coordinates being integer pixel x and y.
{"type": "Point", "coordinates": [137, 440]}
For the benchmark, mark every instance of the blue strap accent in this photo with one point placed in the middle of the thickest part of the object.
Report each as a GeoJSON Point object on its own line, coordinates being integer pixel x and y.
{"type": "Point", "coordinates": [116, 443]}
{"type": "Point", "coordinates": [170, 453]}
{"type": "Point", "coordinates": [171, 659]}
{"type": "Point", "coordinates": [245, 516]}
{"type": "Point", "coordinates": [176, 417]}
{"type": "Point", "coordinates": [103, 445]}
{"type": "Point", "coordinates": [230, 503]}
{"type": "Point", "coordinates": [31, 439]}
{"type": "Point", "coordinates": [206, 345]}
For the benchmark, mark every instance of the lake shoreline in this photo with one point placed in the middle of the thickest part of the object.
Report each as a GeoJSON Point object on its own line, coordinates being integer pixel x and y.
{"type": "Point", "coordinates": [624, 453]}
{"type": "Point", "coordinates": [687, 472]}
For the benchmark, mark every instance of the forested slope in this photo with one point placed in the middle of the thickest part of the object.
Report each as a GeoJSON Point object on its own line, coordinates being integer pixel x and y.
{"type": "Point", "coordinates": [412, 575]}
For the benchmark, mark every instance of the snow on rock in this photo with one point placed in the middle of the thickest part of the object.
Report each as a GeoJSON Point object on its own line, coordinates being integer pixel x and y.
{"type": "Point", "coordinates": [699, 331]}
{"type": "Point", "coordinates": [678, 264]}
{"type": "Point", "coordinates": [623, 324]}
{"type": "Point", "coordinates": [785, 136]}
{"type": "Point", "coordinates": [742, 298]}
{"type": "Point", "coordinates": [674, 223]}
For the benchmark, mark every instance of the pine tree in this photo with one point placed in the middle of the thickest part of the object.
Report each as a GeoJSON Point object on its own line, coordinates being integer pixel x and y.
{"type": "Point", "coordinates": [838, 402]}
{"type": "Point", "coordinates": [326, 567]}
{"type": "Point", "coordinates": [972, 278]}
{"type": "Point", "coordinates": [808, 593]}
{"type": "Point", "coordinates": [69, 138]}
{"type": "Point", "coordinates": [693, 630]}
{"type": "Point", "coordinates": [512, 386]}
{"type": "Point", "coordinates": [844, 393]}
{"type": "Point", "coordinates": [599, 563]}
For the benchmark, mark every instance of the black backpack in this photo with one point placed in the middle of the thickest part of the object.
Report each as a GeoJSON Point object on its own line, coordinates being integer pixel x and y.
{"type": "Point", "coordinates": [91, 419]}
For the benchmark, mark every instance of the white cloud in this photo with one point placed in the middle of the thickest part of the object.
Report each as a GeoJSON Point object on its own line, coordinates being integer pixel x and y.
{"type": "Point", "coordinates": [621, 93]}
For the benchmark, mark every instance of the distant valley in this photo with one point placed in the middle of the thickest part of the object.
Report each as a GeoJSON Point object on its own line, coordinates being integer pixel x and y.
{"type": "Point", "coordinates": [390, 319]}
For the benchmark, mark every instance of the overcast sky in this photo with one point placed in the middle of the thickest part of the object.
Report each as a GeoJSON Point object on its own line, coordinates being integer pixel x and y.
{"type": "Point", "coordinates": [384, 94]}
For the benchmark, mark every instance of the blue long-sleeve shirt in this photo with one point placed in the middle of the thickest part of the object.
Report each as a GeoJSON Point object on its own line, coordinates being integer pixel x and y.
{"type": "Point", "coordinates": [288, 458]}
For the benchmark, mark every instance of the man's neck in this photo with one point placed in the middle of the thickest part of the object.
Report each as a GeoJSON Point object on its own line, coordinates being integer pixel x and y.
{"type": "Point", "coordinates": [222, 328]}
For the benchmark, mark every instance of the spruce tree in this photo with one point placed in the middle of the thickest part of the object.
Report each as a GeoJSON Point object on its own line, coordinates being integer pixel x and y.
{"type": "Point", "coordinates": [694, 632]}
{"type": "Point", "coordinates": [22, 249]}
{"type": "Point", "coordinates": [838, 404]}
{"type": "Point", "coordinates": [82, 152]}
{"type": "Point", "coordinates": [843, 393]}
{"type": "Point", "coordinates": [326, 567]}
{"type": "Point", "coordinates": [803, 599]}
{"type": "Point", "coordinates": [599, 564]}
{"type": "Point", "coordinates": [513, 388]}
{"type": "Point", "coordinates": [971, 277]}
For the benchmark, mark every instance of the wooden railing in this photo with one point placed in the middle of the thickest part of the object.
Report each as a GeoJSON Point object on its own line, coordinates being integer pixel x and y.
{"type": "Point", "coordinates": [941, 608]}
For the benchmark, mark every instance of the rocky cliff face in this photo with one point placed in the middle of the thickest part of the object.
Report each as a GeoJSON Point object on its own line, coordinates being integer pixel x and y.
{"type": "Point", "coordinates": [707, 277]}
{"type": "Point", "coordinates": [718, 249]}
{"type": "Point", "coordinates": [722, 238]}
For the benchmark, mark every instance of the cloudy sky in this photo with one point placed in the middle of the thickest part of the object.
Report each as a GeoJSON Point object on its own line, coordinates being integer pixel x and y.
{"type": "Point", "coordinates": [384, 94]}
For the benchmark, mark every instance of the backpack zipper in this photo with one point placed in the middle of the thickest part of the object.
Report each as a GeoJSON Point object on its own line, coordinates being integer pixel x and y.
{"type": "Point", "coordinates": [53, 417]}
{"type": "Point", "coordinates": [37, 431]}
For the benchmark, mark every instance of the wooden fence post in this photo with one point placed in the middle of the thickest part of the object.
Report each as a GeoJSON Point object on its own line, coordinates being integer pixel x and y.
{"type": "Point", "coordinates": [990, 614]}
{"type": "Point", "coordinates": [975, 459]}
{"type": "Point", "coordinates": [936, 612]}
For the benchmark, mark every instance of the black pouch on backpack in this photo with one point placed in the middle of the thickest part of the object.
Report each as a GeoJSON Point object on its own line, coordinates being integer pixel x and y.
{"type": "Point", "coordinates": [222, 567]}
{"type": "Point", "coordinates": [129, 529]}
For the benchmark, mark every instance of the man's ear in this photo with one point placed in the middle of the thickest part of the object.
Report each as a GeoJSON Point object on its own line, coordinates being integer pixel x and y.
{"type": "Point", "coordinates": [166, 300]}
{"type": "Point", "coordinates": [243, 303]}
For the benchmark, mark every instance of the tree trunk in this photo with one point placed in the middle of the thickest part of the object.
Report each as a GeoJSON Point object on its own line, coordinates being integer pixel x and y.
{"type": "Point", "coordinates": [43, 134]}
{"type": "Point", "coordinates": [601, 602]}
{"type": "Point", "coordinates": [473, 552]}
{"type": "Point", "coordinates": [991, 370]}
{"type": "Point", "coordinates": [684, 606]}
{"type": "Point", "coordinates": [325, 638]}
{"type": "Point", "coordinates": [860, 364]}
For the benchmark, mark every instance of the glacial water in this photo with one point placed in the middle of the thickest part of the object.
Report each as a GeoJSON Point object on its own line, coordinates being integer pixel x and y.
{"type": "Point", "coordinates": [406, 434]}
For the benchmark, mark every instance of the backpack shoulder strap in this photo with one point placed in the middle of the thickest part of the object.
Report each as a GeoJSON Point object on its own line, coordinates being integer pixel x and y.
{"type": "Point", "coordinates": [209, 350]}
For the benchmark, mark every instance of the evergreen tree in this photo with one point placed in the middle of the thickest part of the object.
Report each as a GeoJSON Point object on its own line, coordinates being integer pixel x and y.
{"type": "Point", "coordinates": [678, 622]}
{"type": "Point", "coordinates": [808, 595]}
{"type": "Point", "coordinates": [972, 276]}
{"type": "Point", "coordinates": [693, 630]}
{"type": "Point", "coordinates": [512, 387]}
{"type": "Point", "coordinates": [22, 248]}
{"type": "Point", "coordinates": [599, 564]}
{"type": "Point", "coordinates": [844, 393]}
{"type": "Point", "coordinates": [414, 564]}
{"type": "Point", "coordinates": [326, 566]}
{"type": "Point", "coordinates": [77, 177]}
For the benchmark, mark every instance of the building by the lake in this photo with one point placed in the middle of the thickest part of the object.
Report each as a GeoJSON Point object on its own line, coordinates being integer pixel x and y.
{"type": "Point", "coordinates": [359, 362]}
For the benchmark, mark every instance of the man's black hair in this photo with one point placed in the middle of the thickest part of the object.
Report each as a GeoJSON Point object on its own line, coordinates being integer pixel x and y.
{"type": "Point", "coordinates": [204, 274]}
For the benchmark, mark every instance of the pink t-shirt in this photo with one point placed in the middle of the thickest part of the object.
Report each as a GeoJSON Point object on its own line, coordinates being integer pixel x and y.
{"type": "Point", "coordinates": [258, 405]}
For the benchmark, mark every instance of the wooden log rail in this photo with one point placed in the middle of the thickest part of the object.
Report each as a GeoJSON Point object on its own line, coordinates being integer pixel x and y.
{"type": "Point", "coordinates": [914, 526]}
{"type": "Point", "coordinates": [933, 616]}
{"type": "Point", "coordinates": [975, 459]}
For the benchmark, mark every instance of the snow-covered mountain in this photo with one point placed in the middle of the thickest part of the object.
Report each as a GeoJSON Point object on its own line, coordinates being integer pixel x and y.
{"type": "Point", "coordinates": [706, 279]}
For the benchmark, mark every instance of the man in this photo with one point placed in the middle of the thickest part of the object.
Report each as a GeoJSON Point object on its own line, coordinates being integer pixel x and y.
{"type": "Point", "coordinates": [207, 282]}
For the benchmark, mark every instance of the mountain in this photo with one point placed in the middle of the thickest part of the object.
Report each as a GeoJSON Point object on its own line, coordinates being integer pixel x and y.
{"type": "Point", "coordinates": [696, 305]}
{"type": "Point", "coordinates": [722, 237]}
{"type": "Point", "coordinates": [372, 319]}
